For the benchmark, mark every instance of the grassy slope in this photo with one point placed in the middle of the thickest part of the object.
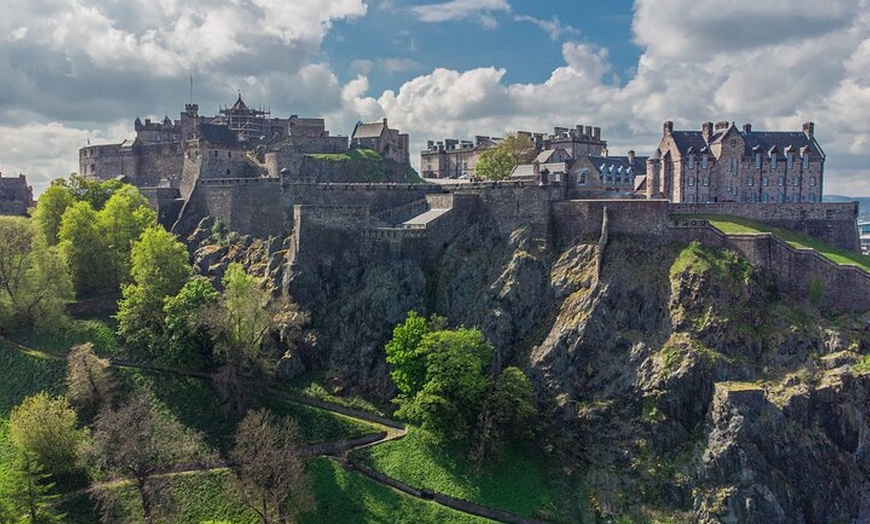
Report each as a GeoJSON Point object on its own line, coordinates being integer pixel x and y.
{"type": "Point", "coordinates": [728, 224]}
{"type": "Point", "coordinates": [518, 484]}
{"type": "Point", "coordinates": [345, 497]}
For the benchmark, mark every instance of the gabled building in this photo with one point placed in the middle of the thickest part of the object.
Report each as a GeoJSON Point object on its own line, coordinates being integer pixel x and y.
{"type": "Point", "coordinates": [586, 176]}
{"type": "Point", "coordinates": [390, 143]}
{"type": "Point", "coordinates": [721, 163]}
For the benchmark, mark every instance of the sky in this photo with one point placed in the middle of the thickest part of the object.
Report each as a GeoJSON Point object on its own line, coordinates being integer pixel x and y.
{"type": "Point", "coordinates": [74, 72]}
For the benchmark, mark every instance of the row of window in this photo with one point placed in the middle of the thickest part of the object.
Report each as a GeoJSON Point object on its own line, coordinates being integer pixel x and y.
{"type": "Point", "coordinates": [753, 197]}
{"type": "Point", "coordinates": [750, 181]}
{"type": "Point", "coordinates": [734, 163]}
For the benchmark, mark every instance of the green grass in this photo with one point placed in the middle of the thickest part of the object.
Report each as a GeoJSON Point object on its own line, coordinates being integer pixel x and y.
{"type": "Point", "coordinates": [345, 497]}
{"type": "Point", "coordinates": [100, 332]}
{"type": "Point", "coordinates": [736, 225]}
{"type": "Point", "coordinates": [352, 154]}
{"type": "Point", "coordinates": [518, 483]}
{"type": "Point", "coordinates": [316, 385]}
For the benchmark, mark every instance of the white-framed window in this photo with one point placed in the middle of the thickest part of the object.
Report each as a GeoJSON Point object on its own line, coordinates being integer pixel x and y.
{"type": "Point", "coordinates": [789, 160]}
{"type": "Point", "coordinates": [806, 160]}
{"type": "Point", "coordinates": [706, 181]}
{"type": "Point", "coordinates": [765, 197]}
{"type": "Point", "coordinates": [691, 199]}
{"type": "Point", "coordinates": [765, 181]}
{"type": "Point", "coordinates": [780, 181]}
{"type": "Point", "coordinates": [690, 181]}
{"type": "Point", "coordinates": [703, 161]}
{"type": "Point", "coordinates": [757, 160]}
{"type": "Point", "coordinates": [773, 162]}
{"type": "Point", "coordinates": [795, 181]}
{"type": "Point", "coordinates": [750, 181]}
{"type": "Point", "coordinates": [812, 181]}
{"type": "Point", "coordinates": [690, 162]}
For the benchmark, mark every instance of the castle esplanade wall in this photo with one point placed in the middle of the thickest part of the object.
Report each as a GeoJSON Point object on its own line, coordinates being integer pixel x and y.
{"type": "Point", "coordinates": [580, 220]}
{"type": "Point", "coordinates": [250, 206]}
{"type": "Point", "coordinates": [831, 222]}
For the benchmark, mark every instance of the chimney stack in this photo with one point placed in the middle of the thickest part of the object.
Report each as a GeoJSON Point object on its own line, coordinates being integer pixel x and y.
{"type": "Point", "coordinates": [667, 128]}
{"type": "Point", "coordinates": [631, 156]}
{"type": "Point", "coordinates": [747, 128]}
{"type": "Point", "coordinates": [707, 131]}
{"type": "Point", "coordinates": [809, 129]}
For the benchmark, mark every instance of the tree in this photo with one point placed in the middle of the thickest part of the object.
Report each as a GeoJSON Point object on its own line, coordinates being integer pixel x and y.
{"type": "Point", "coordinates": [269, 476]}
{"type": "Point", "coordinates": [85, 251]}
{"type": "Point", "coordinates": [49, 211]}
{"type": "Point", "coordinates": [498, 163]}
{"type": "Point", "coordinates": [89, 382]}
{"type": "Point", "coordinates": [507, 412]}
{"type": "Point", "coordinates": [454, 385]}
{"type": "Point", "coordinates": [34, 283]}
{"type": "Point", "coordinates": [26, 494]}
{"type": "Point", "coordinates": [159, 268]}
{"type": "Point", "coordinates": [140, 441]}
{"type": "Point", "coordinates": [404, 356]}
{"type": "Point", "coordinates": [185, 338]}
{"type": "Point", "coordinates": [45, 427]}
{"type": "Point", "coordinates": [237, 325]}
{"type": "Point", "coordinates": [122, 220]}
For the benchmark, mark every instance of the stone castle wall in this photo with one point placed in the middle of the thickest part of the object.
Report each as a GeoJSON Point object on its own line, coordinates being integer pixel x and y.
{"type": "Point", "coordinates": [579, 220]}
{"type": "Point", "coordinates": [157, 161]}
{"type": "Point", "coordinates": [250, 206]}
{"type": "Point", "coordinates": [831, 222]}
{"type": "Point", "coordinates": [797, 272]}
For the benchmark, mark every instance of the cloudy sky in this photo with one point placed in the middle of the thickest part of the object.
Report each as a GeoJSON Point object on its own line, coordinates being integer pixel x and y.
{"type": "Point", "coordinates": [80, 70]}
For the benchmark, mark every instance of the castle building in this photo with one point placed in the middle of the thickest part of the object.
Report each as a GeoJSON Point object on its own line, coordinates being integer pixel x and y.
{"type": "Point", "coordinates": [452, 158]}
{"type": "Point", "coordinates": [16, 197]}
{"type": "Point", "coordinates": [721, 163]}
{"type": "Point", "coordinates": [585, 176]}
{"type": "Point", "coordinates": [390, 143]}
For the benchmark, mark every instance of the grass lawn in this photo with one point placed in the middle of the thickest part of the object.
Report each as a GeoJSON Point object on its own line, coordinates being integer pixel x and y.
{"type": "Point", "coordinates": [729, 224]}
{"type": "Point", "coordinates": [316, 385]}
{"type": "Point", "coordinates": [352, 154]}
{"type": "Point", "coordinates": [519, 483]}
{"type": "Point", "coordinates": [344, 497]}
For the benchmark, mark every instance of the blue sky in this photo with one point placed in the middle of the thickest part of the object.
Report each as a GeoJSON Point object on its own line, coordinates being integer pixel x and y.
{"type": "Point", "coordinates": [79, 71]}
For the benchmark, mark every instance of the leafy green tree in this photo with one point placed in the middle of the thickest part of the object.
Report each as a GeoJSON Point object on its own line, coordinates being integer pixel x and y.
{"type": "Point", "coordinates": [89, 381]}
{"type": "Point", "coordinates": [269, 476]}
{"type": "Point", "coordinates": [122, 220]}
{"type": "Point", "coordinates": [455, 383]}
{"type": "Point", "coordinates": [34, 282]}
{"type": "Point", "coordinates": [85, 251]}
{"type": "Point", "coordinates": [139, 441]}
{"type": "Point", "coordinates": [46, 428]}
{"type": "Point", "coordinates": [498, 163]}
{"type": "Point", "coordinates": [237, 325]}
{"type": "Point", "coordinates": [507, 413]}
{"type": "Point", "coordinates": [159, 268]}
{"type": "Point", "coordinates": [49, 211]}
{"type": "Point", "coordinates": [186, 341]}
{"type": "Point", "coordinates": [405, 357]}
{"type": "Point", "coordinates": [94, 192]}
{"type": "Point", "coordinates": [26, 493]}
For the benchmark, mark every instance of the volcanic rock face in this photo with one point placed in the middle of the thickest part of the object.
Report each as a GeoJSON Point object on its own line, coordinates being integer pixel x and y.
{"type": "Point", "coordinates": [674, 380]}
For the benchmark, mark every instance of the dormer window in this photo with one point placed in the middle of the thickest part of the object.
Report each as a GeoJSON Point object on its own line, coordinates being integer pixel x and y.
{"type": "Point", "coordinates": [758, 160]}
{"type": "Point", "coordinates": [703, 161]}
{"type": "Point", "coordinates": [773, 161]}
{"type": "Point", "coordinates": [690, 161]}
{"type": "Point", "coordinates": [805, 161]}
{"type": "Point", "coordinates": [789, 160]}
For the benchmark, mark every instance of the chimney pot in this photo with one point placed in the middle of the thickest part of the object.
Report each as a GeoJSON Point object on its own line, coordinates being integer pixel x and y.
{"type": "Point", "coordinates": [667, 128]}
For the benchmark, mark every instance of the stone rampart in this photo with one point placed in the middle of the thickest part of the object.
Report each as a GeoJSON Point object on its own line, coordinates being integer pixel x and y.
{"type": "Point", "coordinates": [831, 222]}
{"type": "Point", "coordinates": [249, 206]}
{"type": "Point", "coordinates": [800, 273]}
{"type": "Point", "coordinates": [579, 220]}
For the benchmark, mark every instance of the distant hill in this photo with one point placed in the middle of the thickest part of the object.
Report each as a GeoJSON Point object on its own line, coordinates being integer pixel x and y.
{"type": "Point", "coordinates": [863, 204]}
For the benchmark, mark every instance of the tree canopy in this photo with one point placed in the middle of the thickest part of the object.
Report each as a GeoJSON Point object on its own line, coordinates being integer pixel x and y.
{"type": "Point", "coordinates": [45, 427]}
{"type": "Point", "coordinates": [498, 163]}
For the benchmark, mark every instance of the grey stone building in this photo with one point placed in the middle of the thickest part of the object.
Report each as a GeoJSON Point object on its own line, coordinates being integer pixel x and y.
{"type": "Point", "coordinates": [16, 197]}
{"type": "Point", "coordinates": [390, 143]}
{"type": "Point", "coordinates": [721, 163]}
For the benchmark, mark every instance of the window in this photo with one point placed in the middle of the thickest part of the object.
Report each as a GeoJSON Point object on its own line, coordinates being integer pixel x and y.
{"type": "Point", "coordinates": [773, 162]}
{"type": "Point", "coordinates": [812, 181]}
{"type": "Point", "coordinates": [691, 199]}
{"type": "Point", "coordinates": [795, 181]}
{"type": "Point", "coordinates": [690, 162]}
{"type": "Point", "coordinates": [789, 160]}
{"type": "Point", "coordinates": [765, 181]}
{"type": "Point", "coordinates": [229, 154]}
{"type": "Point", "coordinates": [733, 142]}
{"type": "Point", "coordinates": [704, 162]}
{"type": "Point", "coordinates": [228, 172]}
{"type": "Point", "coordinates": [706, 181]}
{"type": "Point", "coordinates": [806, 160]}
{"type": "Point", "coordinates": [780, 181]}
{"type": "Point", "coordinates": [765, 197]}
{"type": "Point", "coordinates": [690, 181]}
{"type": "Point", "coordinates": [750, 181]}
{"type": "Point", "coordinates": [757, 160]}
{"type": "Point", "coordinates": [812, 197]}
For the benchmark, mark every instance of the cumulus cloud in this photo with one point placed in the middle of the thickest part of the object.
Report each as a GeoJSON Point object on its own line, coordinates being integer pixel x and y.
{"type": "Point", "coordinates": [481, 10]}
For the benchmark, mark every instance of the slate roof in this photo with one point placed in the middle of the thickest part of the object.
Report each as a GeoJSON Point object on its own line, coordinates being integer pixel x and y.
{"type": "Point", "coordinates": [638, 167]}
{"type": "Point", "coordinates": [218, 134]}
{"type": "Point", "coordinates": [765, 140]}
{"type": "Point", "coordinates": [368, 130]}
{"type": "Point", "coordinates": [547, 154]}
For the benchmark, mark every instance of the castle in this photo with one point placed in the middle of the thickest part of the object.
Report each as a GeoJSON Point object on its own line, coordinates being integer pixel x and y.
{"type": "Point", "coordinates": [16, 197]}
{"type": "Point", "coordinates": [724, 164]}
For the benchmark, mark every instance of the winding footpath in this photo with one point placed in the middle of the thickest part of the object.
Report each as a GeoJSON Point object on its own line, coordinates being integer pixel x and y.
{"type": "Point", "coordinates": [337, 450]}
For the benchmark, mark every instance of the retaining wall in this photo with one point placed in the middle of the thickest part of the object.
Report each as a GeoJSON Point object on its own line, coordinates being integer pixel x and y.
{"type": "Point", "coordinates": [249, 206]}
{"type": "Point", "coordinates": [795, 271]}
{"type": "Point", "coordinates": [578, 220]}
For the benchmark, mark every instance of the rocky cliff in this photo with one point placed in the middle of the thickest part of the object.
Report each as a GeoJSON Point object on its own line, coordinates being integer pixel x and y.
{"type": "Point", "coordinates": [675, 381]}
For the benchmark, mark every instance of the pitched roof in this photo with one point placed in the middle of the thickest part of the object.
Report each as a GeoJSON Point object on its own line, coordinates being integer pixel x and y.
{"type": "Point", "coordinates": [764, 140]}
{"type": "Point", "coordinates": [638, 167]}
{"type": "Point", "coordinates": [240, 105]}
{"type": "Point", "coordinates": [548, 154]}
{"type": "Point", "coordinates": [373, 130]}
{"type": "Point", "coordinates": [218, 134]}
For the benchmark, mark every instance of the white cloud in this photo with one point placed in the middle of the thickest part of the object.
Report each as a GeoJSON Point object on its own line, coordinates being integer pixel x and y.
{"type": "Point", "coordinates": [553, 27]}
{"type": "Point", "coordinates": [398, 65]}
{"type": "Point", "coordinates": [481, 10]}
